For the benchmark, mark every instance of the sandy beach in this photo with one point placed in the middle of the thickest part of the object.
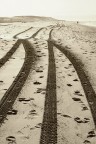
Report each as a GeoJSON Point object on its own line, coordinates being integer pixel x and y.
{"type": "Point", "coordinates": [47, 83]}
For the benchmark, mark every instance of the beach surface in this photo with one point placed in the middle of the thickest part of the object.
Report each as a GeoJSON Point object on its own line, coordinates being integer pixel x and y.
{"type": "Point", "coordinates": [47, 83]}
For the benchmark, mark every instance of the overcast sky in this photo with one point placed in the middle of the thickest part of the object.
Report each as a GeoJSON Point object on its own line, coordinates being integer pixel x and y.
{"type": "Point", "coordinates": [54, 8]}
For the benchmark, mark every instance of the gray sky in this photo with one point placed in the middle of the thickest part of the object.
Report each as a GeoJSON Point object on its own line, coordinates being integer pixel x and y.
{"type": "Point", "coordinates": [54, 8]}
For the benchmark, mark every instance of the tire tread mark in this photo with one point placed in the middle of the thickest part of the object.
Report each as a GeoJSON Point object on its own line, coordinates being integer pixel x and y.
{"type": "Point", "coordinates": [88, 89]}
{"type": "Point", "coordinates": [15, 36]}
{"type": "Point", "coordinates": [49, 125]}
{"type": "Point", "coordinates": [13, 91]}
{"type": "Point", "coordinates": [9, 53]}
{"type": "Point", "coordinates": [35, 34]}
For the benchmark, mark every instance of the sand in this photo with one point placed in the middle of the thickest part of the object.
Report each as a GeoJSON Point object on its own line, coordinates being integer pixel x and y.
{"type": "Point", "coordinates": [82, 43]}
{"type": "Point", "coordinates": [75, 123]}
{"type": "Point", "coordinates": [10, 70]}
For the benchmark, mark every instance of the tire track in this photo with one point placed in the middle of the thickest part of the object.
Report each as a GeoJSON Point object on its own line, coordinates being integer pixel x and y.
{"type": "Point", "coordinates": [49, 125]}
{"type": "Point", "coordinates": [15, 36]}
{"type": "Point", "coordinates": [12, 93]}
{"type": "Point", "coordinates": [73, 112]}
{"type": "Point", "coordinates": [9, 53]}
{"type": "Point", "coordinates": [34, 35]}
{"type": "Point", "coordinates": [89, 91]}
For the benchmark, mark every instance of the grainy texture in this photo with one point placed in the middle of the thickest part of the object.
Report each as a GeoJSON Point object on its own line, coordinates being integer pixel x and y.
{"type": "Point", "coordinates": [49, 125]}
{"type": "Point", "coordinates": [12, 93]}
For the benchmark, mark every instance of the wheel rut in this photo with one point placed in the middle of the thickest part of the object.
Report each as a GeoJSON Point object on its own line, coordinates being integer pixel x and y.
{"type": "Point", "coordinates": [49, 125]}
{"type": "Point", "coordinates": [13, 91]}
{"type": "Point", "coordinates": [88, 89]}
{"type": "Point", "coordinates": [4, 59]}
{"type": "Point", "coordinates": [15, 36]}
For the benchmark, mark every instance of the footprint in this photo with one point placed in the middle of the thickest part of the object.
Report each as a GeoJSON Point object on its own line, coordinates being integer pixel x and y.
{"type": "Point", "coordinates": [78, 93]}
{"type": "Point", "coordinates": [33, 112]}
{"type": "Point", "coordinates": [41, 76]}
{"type": "Point", "coordinates": [69, 85]}
{"type": "Point", "coordinates": [5, 89]}
{"type": "Point", "coordinates": [86, 120]}
{"type": "Point", "coordinates": [41, 66]}
{"type": "Point", "coordinates": [67, 116]}
{"type": "Point", "coordinates": [43, 93]}
{"type": "Point", "coordinates": [37, 83]}
{"type": "Point", "coordinates": [87, 142]}
{"type": "Point", "coordinates": [92, 51]}
{"type": "Point", "coordinates": [75, 80]}
{"type": "Point", "coordinates": [70, 64]}
{"type": "Point", "coordinates": [69, 75]}
{"type": "Point", "coordinates": [38, 51]}
{"type": "Point", "coordinates": [84, 108]}
{"type": "Point", "coordinates": [58, 86]}
{"type": "Point", "coordinates": [39, 56]}
{"type": "Point", "coordinates": [78, 120]}
{"type": "Point", "coordinates": [73, 71]}
{"type": "Point", "coordinates": [60, 56]}
{"type": "Point", "coordinates": [76, 99]}
{"type": "Point", "coordinates": [91, 134]}
{"type": "Point", "coordinates": [39, 90]}
{"type": "Point", "coordinates": [38, 126]}
{"type": "Point", "coordinates": [59, 113]}
{"type": "Point", "coordinates": [25, 100]}
{"type": "Point", "coordinates": [66, 67]}
{"type": "Point", "coordinates": [12, 112]}
{"type": "Point", "coordinates": [39, 71]}
{"type": "Point", "coordinates": [11, 139]}
{"type": "Point", "coordinates": [36, 43]}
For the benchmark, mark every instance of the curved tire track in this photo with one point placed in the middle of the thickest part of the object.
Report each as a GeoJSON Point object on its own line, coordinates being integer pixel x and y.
{"type": "Point", "coordinates": [9, 53]}
{"type": "Point", "coordinates": [12, 93]}
{"type": "Point", "coordinates": [88, 89]}
{"type": "Point", "coordinates": [35, 34]}
{"type": "Point", "coordinates": [49, 125]}
{"type": "Point", "coordinates": [15, 36]}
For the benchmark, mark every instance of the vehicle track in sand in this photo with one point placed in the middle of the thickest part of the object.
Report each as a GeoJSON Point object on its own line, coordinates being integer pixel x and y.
{"type": "Point", "coordinates": [49, 125]}
{"type": "Point", "coordinates": [7, 56]}
{"type": "Point", "coordinates": [15, 36]}
{"type": "Point", "coordinates": [89, 91]}
{"type": "Point", "coordinates": [35, 34]}
{"type": "Point", "coordinates": [12, 93]}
